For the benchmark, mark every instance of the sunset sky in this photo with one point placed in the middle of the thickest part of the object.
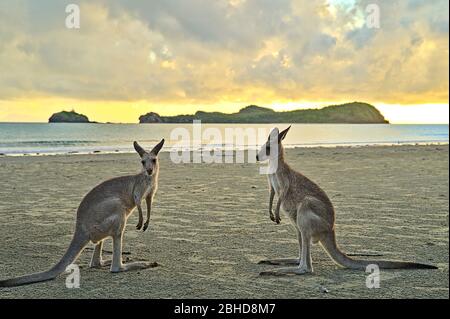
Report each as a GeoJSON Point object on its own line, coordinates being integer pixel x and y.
{"type": "Point", "coordinates": [179, 56]}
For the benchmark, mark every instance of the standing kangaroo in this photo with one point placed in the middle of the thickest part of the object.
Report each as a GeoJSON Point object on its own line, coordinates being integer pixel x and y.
{"type": "Point", "coordinates": [311, 212]}
{"type": "Point", "coordinates": [103, 213]}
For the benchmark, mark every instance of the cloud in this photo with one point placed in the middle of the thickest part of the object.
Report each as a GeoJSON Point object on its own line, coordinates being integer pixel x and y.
{"type": "Point", "coordinates": [201, 51]}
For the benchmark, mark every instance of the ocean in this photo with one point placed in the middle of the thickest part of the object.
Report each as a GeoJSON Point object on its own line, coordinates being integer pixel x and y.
{"type": "Point", "coordinates": [64, 138]}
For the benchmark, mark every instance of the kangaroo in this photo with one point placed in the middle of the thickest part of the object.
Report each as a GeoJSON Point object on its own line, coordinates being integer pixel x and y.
{"type": "Point", "coordinates": [311, 212]}
{"type": "Point", "coordinates": [103, 213]}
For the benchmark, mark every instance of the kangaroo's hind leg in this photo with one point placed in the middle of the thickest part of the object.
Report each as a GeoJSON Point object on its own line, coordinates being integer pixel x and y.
{"type": "Point", "coordinates": [305, 265]}
{"type": "Point", "coordinates": [285, 261]}
{"type": "Point", "coordinates": [310, 225]}
{"type": "Point", "coordinates": [96, 260]}
{"type": "Point", "coordinates": [118, 266]}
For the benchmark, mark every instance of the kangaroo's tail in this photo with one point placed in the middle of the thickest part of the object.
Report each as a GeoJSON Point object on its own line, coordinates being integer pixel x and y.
{"type": "Point", "coordinates": [330, 245]}
{"type": "Point", "coordinates": [75, 248]}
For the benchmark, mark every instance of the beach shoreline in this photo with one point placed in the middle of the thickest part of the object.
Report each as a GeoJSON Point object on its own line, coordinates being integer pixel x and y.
{"type": "Point", "coordinates": [32, 139]}
{"type": "Point", "coordinates": [210, 149]}
{"type": "Point", "coordinates": [210, 225]}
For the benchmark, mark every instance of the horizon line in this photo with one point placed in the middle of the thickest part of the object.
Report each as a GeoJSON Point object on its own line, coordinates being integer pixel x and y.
{"type": "Point", "coordinates": [126, 123]}
{"type": "Point", "coordinates": [391, 112]}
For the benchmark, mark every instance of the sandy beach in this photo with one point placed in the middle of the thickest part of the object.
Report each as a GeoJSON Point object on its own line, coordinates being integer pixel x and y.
{"type": "Point", "coordinates": [210, 225]}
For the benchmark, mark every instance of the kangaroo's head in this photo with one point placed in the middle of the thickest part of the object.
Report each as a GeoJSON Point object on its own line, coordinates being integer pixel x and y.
{"type": "Point", "coordinates": [149, 160]}
{"type": "Point", "coordinates": [273, 146]}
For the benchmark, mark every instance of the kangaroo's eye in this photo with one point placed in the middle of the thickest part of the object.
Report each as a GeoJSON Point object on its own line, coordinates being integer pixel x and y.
{"type": "Point", "coordinates": [143, 162]}
{"type": "Point", "coordinates": [154, 160]}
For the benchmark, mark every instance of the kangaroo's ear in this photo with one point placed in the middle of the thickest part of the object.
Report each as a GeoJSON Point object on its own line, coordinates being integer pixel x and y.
{"type": "Point", "coordinates": [158, 147]}
{"type": "Point", "coordinates": [139, 149]}
{"type": "Point", "coordinates": [274, 134]}
{"type": "Point", "coordinates": [283, 134]}
{"type": "Point", "coordinates": [274, 131]}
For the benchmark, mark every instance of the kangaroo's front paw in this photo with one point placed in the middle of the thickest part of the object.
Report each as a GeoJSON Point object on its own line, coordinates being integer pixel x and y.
{"type": "Point", "coordinates": [277, 219]}
{"type": "Point", "coordinates": [139, 225]}
{"type": "Point", "coordinates": [145, 226]}
{"type": "Point", "coordinates": [272, 216]}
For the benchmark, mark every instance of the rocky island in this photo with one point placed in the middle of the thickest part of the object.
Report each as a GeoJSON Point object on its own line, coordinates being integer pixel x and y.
{"type": "Point", "coordinates": [348, 113]}
{"type": "Point", "coordinates": [68, 117]}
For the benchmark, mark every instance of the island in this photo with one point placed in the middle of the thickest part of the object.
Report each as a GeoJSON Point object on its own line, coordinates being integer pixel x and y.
{"type": "Point", "coordinates": [348, 113]}
{"type": "Point", "coordinates": [68, 117]}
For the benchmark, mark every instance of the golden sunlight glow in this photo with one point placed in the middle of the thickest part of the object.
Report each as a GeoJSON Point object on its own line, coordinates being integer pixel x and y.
{"type": "Point", "coordinates": [39, 110]}
{"type": "Point", "coordinates": [222, 56]}
{"type": "Point", "coordinates": [415, 114]}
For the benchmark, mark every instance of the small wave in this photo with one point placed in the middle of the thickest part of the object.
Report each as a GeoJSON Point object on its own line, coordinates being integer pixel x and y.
{"type": "Point", "coordinates": [47, 143]}
{"type": "Point", "coordinates": [437, 134]}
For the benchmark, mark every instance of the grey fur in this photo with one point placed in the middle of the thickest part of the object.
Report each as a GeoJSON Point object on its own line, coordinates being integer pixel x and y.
{"type": "Point", "coordinates": [103, 213]}
{"type": "Point", "coordinates": [311, 212]}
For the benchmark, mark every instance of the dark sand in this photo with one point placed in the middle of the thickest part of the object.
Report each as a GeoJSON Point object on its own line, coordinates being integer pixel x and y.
{"type": "Point", "coordinates": [210, 225]}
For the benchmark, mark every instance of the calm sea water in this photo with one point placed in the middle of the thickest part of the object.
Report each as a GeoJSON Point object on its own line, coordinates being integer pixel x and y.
{"type": "Point", "coordinates": [19, 139]}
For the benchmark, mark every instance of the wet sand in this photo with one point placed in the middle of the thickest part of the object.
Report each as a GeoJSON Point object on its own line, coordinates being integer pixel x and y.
{"type": "Point", "coordinates": [210, 225]}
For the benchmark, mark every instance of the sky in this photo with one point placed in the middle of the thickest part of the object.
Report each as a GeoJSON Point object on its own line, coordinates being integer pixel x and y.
{"type": "Point", "coordinates": [179, 56]}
